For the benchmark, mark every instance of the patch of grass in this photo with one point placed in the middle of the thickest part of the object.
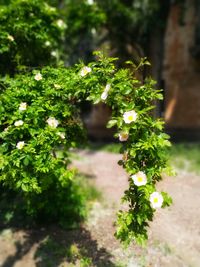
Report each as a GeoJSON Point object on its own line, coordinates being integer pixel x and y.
{"type": "Point", "coordinates": [57, 254]}
{"type": "Point", "coordinates": [183, 156]}
{"type": "Point", "coordinates": [107, 147]}
{"type": "Point", "coordinates": [6, 234]}
{"type": "Point", "coordinates": [186, 157]}
{"type": "Point", "coordinates": [91, 192]}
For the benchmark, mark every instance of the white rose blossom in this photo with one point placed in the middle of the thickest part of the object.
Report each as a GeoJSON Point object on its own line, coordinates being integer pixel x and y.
{"type": "Point", "coordinates": [130, 116]}
{"type": "Point", "coordinates": [54, 53]}
{"type": "Point", "coordinates": [93, 31]}
{"type": "Point", "coordinates": [6, 129]}
{"type": "Point", "coordinates": [47, 43]}
{"type": "Point", "coordinates": [19, 123]}
{"type": "Point", "coordinates": [38, 76]}
{"type": "Point", "coordinates": [20, 145]}
{"type": "Point", "coordinates": [11, 38]}
{"type": "Point", "coordinates": [156, 200]}
{"type": "Point", "coordinates": [62, 135]}
{"type": "Point", "coordinates": [123, 136]}
{"type": "Point", "coordinates": [23, 106]}
{"type": "Point", "coordinates": [104, 95]}
{"type": "Point", "coordinates": [61, 24]}
{"type": "Point", "coordinates": [57, 86]}
{"type": "Point", "coordinates": [90, 2]}
{"type": "Point", "coordinates": [52, 122]}
{"type": "Point", "coordinates": [139, 178]}
{"type": "Point", "coordinates": [85, 70]}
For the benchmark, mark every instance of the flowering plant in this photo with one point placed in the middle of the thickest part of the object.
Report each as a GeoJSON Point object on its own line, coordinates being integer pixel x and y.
{"type": "Point", "coordinates": [144, 148]}
{"type": "Point", "coordinates": [37, 116]}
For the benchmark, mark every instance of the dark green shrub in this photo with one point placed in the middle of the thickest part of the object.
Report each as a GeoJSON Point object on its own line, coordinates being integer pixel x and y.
{"type": "Point", "coordinates": [31, 32]}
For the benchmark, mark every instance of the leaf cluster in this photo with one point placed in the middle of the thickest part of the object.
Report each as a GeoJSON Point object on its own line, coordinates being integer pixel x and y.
{"type": "Point", "coordinates": [29, 33]}
{"type": "Point", "coordinates": [38, 171]}
{"type": "Point", "coordinates": [147, 144]}
{"type": "Point", "coordinates": [40, 174]}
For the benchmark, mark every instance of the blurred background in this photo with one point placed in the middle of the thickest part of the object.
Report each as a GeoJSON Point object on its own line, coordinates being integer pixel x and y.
{"type": "Point", "coordinates": [166, 32]}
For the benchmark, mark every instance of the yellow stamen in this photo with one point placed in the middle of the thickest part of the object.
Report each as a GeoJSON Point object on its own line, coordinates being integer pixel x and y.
{"type": "Point", "coordinates": [155, 200]}
{"type": "Point", "coordinates": [130, 118]}
{"type": "Point", "coordinates": [140, 179]}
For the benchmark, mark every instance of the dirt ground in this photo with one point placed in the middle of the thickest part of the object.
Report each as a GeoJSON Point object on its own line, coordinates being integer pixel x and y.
{"type": "Point", "coordinates": [174, 236]}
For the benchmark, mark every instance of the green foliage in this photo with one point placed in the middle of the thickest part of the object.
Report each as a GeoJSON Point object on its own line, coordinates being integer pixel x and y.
{"type": "Point", "coordinates": [75, 201]}
{"type": "Point", "coordinates": [30, 33]}
{"type": "Point", "coordinates": [34, 169]}
{"type": "Point", "coordinates": [83, 21]}
{"type": "Point", "coordinates": [135, 17]}
{"type": "Point", "coordinates": [144, 149]}
{"type": "Point", "coordinates": [41, 111]}
{"type": "Point", "coordinates": [110, 147]}
{"type": "Point", "coordinates": [186, 157]}
{"type": "Point", "coordinates": [124, 26]}
{"type": "Point", "coordinates": [53, 252]}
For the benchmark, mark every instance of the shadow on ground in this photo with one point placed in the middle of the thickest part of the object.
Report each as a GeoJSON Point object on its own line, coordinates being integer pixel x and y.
{"type": "Point", "coordinates": [54, 246]}
{"type": "Point", "coordinates": [25, 243]}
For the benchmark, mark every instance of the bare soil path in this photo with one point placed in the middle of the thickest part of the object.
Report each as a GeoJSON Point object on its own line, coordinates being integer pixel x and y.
{"type": "Point", "coordinates": [175, 233]}
{"type": "Point", "coordinates": [174, 236]}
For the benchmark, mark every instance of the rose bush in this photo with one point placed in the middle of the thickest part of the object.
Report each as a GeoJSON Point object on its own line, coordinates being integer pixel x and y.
{"type": "Point", "coordinates": [38, 117]}
{"type": "Point", "coordinates": [144, 143]}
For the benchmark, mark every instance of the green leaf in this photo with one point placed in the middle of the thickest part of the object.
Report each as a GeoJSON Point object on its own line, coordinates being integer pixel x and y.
{"type": "Point", "coordinates": [111, 123]}
{"type": "Point", "coordinates": [26, 161]}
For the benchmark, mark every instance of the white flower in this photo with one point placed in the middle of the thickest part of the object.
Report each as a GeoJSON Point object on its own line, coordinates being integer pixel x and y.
{"type": "Point", "coordinates": [156, 200]}
{"type": "Point", "coordinates": [6, 129]}
{"type": "Point", "coordinates": [47, 43]}
{"type": "Point", "coordinates": [38, 76]}
{"type": "Point", "coordinates": [62, 135]}
{"type": "Point", "coordinates": [11, 38]}
{"type": "Point", "coordinates": [57, 86]}
{"type": "Point", "coordinates": [60, 23]}
{"type": "Point", "coordinates": [107, 88]}
{"type": "Point", "coordinates": [93, 31]}
{"type": "Point", "coordinates": [139, 178]}
{"type": "Point", "coordinates": [54, 54]}
{"type": "Point", "coordinates": [20, 144]}
{"type": "Point", "coordinates": [130, 116]}
{"type": "Point", "coordinates": [104, 95]}
{"type": "Point", "coordinates": [23, 106]}
{"type": "Point", "coordinates": [123, 136]}
{"type": "Point", "coordinates": [90, 2]}
{"type": "Point", "coordinates": [19, 123]}
{"type": "Point", "coordinates": [52, 122]}
{"type": "Point", "coordinates": [85, 70]}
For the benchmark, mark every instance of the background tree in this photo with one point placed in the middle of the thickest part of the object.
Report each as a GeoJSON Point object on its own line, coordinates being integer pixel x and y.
{"type": "Point", "coordinates": [31, 35]}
